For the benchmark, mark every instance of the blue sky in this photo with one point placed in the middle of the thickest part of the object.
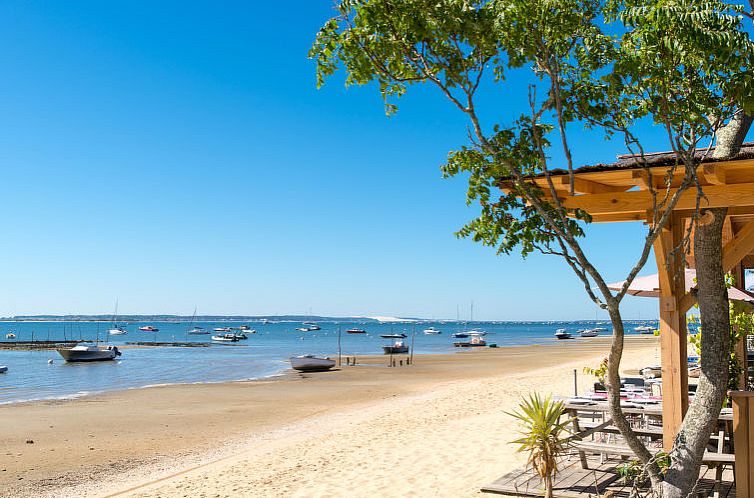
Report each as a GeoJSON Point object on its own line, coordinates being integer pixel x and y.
{"type": "Point", "coordinates": [175, 154]}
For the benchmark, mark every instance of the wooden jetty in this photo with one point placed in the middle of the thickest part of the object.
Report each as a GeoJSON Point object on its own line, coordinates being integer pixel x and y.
{"type": "Point", "coordinates": [24, 345]}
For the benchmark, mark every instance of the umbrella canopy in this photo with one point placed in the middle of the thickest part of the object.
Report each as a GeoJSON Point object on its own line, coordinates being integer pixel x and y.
{"type": "Point", "coordinates": [649, 286]}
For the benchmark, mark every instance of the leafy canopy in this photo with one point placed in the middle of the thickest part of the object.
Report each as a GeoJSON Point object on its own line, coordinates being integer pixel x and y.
{"type": "Point", "coordinates": [602, 64]}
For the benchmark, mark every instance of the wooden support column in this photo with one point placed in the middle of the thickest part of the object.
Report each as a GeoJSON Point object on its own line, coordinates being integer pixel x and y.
{"type": "Point", "coordinates": [741, 351]}
{"type": "Point", "coordinates": [673, 341]}
{"type": "Point", "coordinates": [743, 441]}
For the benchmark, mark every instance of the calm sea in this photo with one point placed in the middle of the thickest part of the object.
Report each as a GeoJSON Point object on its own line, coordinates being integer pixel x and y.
{"type": "Point", "coordinates": [31, 377]}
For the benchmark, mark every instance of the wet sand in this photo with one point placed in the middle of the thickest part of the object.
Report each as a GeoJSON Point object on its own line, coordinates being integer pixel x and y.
{"type": "Point", "coordinates": [434, 428]}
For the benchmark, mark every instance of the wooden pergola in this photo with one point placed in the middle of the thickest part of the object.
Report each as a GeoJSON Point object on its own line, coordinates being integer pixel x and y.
{"type": "Point", "coordinates": [621, 192]}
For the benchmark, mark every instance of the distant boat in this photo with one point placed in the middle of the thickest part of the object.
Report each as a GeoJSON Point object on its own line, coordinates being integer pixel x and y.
{"type": "Point", "coordinates": [10, 335]}
{"type": "Point", "coordinates": [241, 336]}
{"type": "Point", "coordinates": [398, 347]}
{"type": "Point", "coordinates": [3, 369]}
{"type": "Point", "coordinates": [600, 329]}
{"type": "Point", "coordinates": [432, 331]}
{"type": "Point", "coordinates": [311, 363]}
{"type": "Point", "coordinates": [225, 338]}
{"type": "Point", "coordinates": [589, 332]}
{"type": "Point", "coordinates": [475, 342]}
{"type": "Point", "coordinates": [562, 334]}
{"type": "Point", "coordinates": [303, 329]}
{"type": "Point", "coordinates": [460, 335]}
{"type": "Point", "coordinates": [222, 329]}
{"type": "Point", "coordinates": [477, 332]}
{"type": "Point", "coordinates": [312, 326]}
{"type": "Point", "coordinates": [356, 331]}
{"type": "Point", "coordinates": [86, 352]}
{"type": "Point", "coordinates": [198, 331]}
{"type": "Point", "coordinates": [244, 327]}
{"type": "Point", "coordinates": [149, 328]}
{"type": "Point", "coordinates": [393, 336]}
{"type": "Point", "coordinates": [645, 329]}
{"type": "Point", "coordinates": [117, 329]}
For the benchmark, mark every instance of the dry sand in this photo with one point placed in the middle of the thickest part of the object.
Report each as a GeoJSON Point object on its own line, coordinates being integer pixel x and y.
{"type": "Point", "coordinates": [435, 428]}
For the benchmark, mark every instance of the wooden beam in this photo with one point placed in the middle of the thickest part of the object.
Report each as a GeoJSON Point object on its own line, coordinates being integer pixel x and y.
{"type": "Point", "coordinates": [743, 441]}
{"type": "Point", "coordinates": [643, 178]}
{"type": "Point", "coordinates": [714, 174]}
{"type": "Point", "coordinates": [673, 344]}
{"type": "Point", "coordinates": [741, 194]}
{"type": "Point", "coordinates": [741, 245]}
{"type": "Point", "coordinates": [584, 186]}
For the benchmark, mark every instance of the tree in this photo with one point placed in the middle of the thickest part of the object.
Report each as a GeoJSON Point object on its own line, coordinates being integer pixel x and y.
{"type": "Point", "coordinates": [607, 65]}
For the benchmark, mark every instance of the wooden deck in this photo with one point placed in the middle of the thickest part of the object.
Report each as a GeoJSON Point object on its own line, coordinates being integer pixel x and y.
{"type": "Point", "coordinates": [574, 482]}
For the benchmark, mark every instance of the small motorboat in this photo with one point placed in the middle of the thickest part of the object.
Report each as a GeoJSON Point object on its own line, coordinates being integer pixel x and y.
{"type": "Point", "coordinates": [10, 335]}
{"type": "Point", "coordinates": [89, 352]}
{"type": "Point", "coordinates": [477, 332]}
{"type": "Point", "coordinates": [600, 329]}
{"type": "Point", "coordinates": [149, 328]}
{"type": "Point", "coordinates": [222, 329]}
{"type": "Point", "coordinates": [356, 331]}
{"type": "Point", "coordinates": [311, 363]}
{"type": "Point", "coordinates": [393, 336]}
{"type": "Point", "coordinates": [561, 334]}
{"type": "Point", "coordinates": [244, 327]}
{"type": "Point", "coordinates": [460, 335]}
{"type": "Point", "coordinates": [225, 338]}
{"type": "Point", "coordinates": [398, 347]}
{"type": "Point", "coordinates": [476, 342]}
{"type": "Point", "coordinates": [312, 326]}
{"type": "Point", "coordinates": [198, 331]}
{"type": "Point", "coordinates": [432, 331]}
{"type": "Point", "coordinates": [303, 329]}
{"type": "Point", "coordinates": [241, 336]}
{"type": "Point", "coordinates": [645, 329]}
{"type": "Point", "coordinates": [3, 369]}
{"type": "Point", "coordinates": [117, 331]}
{"type": "Point", "coordinates": [589, 332]}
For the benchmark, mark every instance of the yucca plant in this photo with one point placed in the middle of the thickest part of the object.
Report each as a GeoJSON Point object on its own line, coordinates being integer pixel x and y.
{"type": "Point", "coordinates": [545, 436]}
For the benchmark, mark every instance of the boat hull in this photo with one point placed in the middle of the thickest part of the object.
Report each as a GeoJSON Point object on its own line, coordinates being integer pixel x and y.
{"type": "Point", "coordinates": [561, 337]}
{"type": "Point", "coordinates": [395, 349]}
{"type": "Point", "coordinates": [81, 356]}
{"type": "Point", "coordinates": [311, 364]}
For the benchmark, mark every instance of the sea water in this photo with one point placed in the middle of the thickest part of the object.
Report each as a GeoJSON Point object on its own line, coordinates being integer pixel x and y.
{"type": "Point", "coordinates": [31, 376]}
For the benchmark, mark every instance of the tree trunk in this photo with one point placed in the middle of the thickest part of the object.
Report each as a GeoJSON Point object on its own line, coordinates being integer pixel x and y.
{"type": "Point", "coordinates": [731, 136]}
{"type": "Point", "coordinates": [548, 486]}
{"type": "Point", "coordinates": [703, 413]}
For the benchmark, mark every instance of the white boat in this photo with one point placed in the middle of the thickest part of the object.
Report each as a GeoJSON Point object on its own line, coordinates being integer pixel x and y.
{"type": "Point", "coordinates": [477, 332]}
{"type": "Point", "coordinates": [222, 329]}
{"type": "Point", "coordinates": [356, 331]}
{"type": "Point", "coordinates": [562, 334]}
{"type": "Point", "coordinates": [225, 338]}
{"type": "Point", "coordinates": [117, 329]}
{"type": "Point", "coordinates": [10, 335]}
{"type": "Point", "coordinates": [303, 329]}
{"type": "Point", "coordinates": [432, 331]}
{"type": "Point", "coordinates": [589, 332]}
{"type": "Point", "coordinates": [393, 336]}
{"type": "Point", "coordinates": [198, 331]}
{"type": "Point", "coordinates": [89, 352]}
{"type": "Point", "coordinates": [149, 328]}
{"type": "Point", "coordinates": [311, 363]}
{"type": "Point", "coordinates": [3, 369]}
{"type": "Point", "coordinates": [475, 342]}
{"type": "Point", "coordinates": [398, 347]}
{"type": "Point", "coordinates": [460, 335]}
{"type": "Point", "coordinates": [645, 329]}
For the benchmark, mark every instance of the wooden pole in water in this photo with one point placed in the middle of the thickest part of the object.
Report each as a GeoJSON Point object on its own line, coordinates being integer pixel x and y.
{"type": "Point", "coordinates": [413, 336]}
{"type": "Point", "coordinates": [339, 350]}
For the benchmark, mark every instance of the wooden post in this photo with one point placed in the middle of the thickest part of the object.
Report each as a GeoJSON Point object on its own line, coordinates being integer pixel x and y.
{"type": "Point", "coordinates": [673, 341]}
{"type": "Point", "coordinates": [339, 349]}
{"type": "Point", "coordinates": [743, 441]}
{"type": "Point", "coordinates": [741, 349]}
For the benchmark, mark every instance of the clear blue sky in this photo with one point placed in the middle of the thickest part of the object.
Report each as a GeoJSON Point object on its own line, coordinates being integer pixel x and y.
{"type": "Point", "coordinates": [173, 154]}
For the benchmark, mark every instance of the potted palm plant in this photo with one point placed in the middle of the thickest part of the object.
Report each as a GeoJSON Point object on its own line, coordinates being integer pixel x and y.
{"type": "Point", "coordinates": [544, 436]}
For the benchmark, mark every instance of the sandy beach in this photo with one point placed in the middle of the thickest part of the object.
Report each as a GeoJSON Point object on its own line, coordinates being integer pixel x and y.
{"type": "Point", "coordinates": [435, 428]}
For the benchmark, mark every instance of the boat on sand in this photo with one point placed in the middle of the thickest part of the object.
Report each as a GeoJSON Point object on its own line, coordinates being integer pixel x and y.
{"type": "Point", "coordinates": [311, 363]}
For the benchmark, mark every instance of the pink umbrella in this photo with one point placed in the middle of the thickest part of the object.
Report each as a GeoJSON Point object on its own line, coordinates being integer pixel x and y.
{"type": "Point", "coordinates": [649, 286]}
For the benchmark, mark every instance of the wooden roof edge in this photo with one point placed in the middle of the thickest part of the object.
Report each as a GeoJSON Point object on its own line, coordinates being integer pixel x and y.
{"type": "Point", "coordinates": [628, 162]}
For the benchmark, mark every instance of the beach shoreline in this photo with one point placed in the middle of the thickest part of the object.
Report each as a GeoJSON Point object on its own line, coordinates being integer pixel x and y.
{"type": "Point", "coordinates": [142, 439]}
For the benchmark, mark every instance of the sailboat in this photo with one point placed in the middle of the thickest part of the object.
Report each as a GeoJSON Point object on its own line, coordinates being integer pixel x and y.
{"type": "Point", "coordinates": [117, 329]}
{"type": "Point", "coordinates": [196, 330]}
